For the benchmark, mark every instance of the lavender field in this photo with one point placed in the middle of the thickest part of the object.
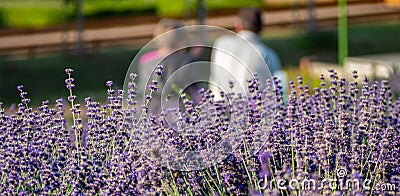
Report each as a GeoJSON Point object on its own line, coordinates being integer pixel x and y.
{"type": "Point", "coordinates": [342, 139]}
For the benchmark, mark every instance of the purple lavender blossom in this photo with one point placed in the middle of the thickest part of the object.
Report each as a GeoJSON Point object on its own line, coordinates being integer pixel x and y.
{"type": "Point", "coordinates": [89, 148]}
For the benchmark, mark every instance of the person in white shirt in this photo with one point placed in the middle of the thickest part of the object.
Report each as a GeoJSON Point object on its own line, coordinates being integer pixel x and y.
{"type": "Point", "coordinates": [237, 58]}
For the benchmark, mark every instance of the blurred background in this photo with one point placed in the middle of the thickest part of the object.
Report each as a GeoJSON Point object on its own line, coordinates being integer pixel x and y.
{"type": "Point", "coordinates": [39, 39]}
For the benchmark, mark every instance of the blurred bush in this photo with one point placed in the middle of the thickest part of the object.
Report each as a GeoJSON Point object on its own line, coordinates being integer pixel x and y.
{"type": "Point", "coordinates": [42, 13]}
{"type": "Point", "coordinates": [98, 8]}
{"type": "Point", "coordinates": [168, 8]}
{"type": "Point", "coordinates": [30, 13]}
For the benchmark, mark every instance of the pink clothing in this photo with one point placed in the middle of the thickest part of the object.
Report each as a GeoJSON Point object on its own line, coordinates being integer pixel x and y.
{"type": "Point", "coordinates": [149, 56]}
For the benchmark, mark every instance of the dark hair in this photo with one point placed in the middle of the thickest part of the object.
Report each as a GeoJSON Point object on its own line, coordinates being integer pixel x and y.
{"type": "Point", "coordinates": [251, 19]}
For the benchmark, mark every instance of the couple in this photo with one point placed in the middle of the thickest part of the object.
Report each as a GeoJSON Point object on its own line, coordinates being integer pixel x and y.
{"type": "Point", "coordinates": [229, 54]}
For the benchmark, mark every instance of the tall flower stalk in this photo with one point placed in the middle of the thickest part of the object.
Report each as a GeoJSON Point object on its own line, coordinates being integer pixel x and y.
{"type": "Point", "coordinates": [344, 130]}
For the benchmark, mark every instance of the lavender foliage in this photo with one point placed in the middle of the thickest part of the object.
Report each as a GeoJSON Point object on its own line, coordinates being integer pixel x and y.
{"type": "Point", "coordinates": [66, 148]}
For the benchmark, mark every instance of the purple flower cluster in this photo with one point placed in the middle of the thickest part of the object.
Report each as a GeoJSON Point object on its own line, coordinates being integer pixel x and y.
{"type": "Point", "coordinates": [97, 148]}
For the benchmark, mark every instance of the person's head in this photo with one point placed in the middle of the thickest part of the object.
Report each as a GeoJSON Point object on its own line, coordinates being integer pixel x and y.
{"type": "Point", "coordinates": [172, 39]}
{"type": "Point", "coordinates": [249, 19]}
{"type": "Point", "coordinates": [165, 25]}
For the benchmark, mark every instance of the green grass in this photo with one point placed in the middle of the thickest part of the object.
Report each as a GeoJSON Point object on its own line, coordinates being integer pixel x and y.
{"type": "Point", "coordinates": [44, 77]}
{"type": "Point", "coordinates": [291, 48]}
{"type": "Point", "coordinates": [363, 39]}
